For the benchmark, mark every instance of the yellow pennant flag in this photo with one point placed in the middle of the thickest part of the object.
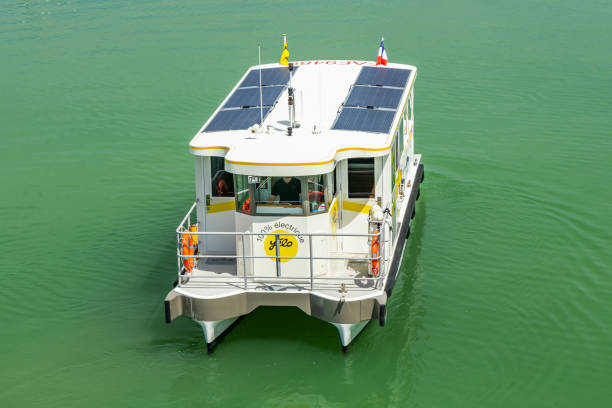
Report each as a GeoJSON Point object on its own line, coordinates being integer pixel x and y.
{"type": "Point", "coordinates": [284, 59]}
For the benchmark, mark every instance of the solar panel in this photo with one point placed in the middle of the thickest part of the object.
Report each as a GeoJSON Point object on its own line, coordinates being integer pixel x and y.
{"type": "Point", "coordinates": [374, 96]}
{"type": "Point", "coordinates": [364, 120]}
{"type": "Point", "coordinates": [379, 76]}
{"type": "Point", "coordinates": [232, 119]}
{"type": "Point", "coordinates": [247, 97]}
{"type": "Point", "coordinates": [269, 76]}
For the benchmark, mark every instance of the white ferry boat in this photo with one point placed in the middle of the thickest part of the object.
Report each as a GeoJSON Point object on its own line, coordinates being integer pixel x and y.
{"type": "Point", "coordinates": [305, 185]}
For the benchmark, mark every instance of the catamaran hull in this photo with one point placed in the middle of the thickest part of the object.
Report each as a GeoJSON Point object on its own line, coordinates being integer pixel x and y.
{"type": "Point", "coordinates": [218, 315]}
{"type": "Point", "coordinates": [221, 308]}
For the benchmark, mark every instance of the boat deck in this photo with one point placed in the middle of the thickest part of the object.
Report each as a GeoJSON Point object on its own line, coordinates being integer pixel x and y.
{"type": "Point", "coordinates": [219, 277]}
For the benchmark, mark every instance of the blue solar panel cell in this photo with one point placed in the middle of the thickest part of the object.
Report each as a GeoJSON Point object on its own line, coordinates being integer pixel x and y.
{"type": "Point", "coordinates": [364, 120]}
{"type": "Point", "coordinates": [374, 96]}
{"type": "Point", "coordinates": [234, 119]}
{"type": "Point", "coordinates": [248, 97]}
{"type": "Point", "coordinates": [269, 76]}
{"type": "Point", "coordinates": [382, 76]}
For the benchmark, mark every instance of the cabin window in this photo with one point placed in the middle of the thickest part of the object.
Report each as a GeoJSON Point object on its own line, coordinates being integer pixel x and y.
{"type": "Point", "coordinates": [409, 107]}
{"type": "Point", "coordinates": [402, 132]}
{"type": "Point", "coordinates": [290, 195]}
{"type": "Point", "coordinates": [405, 126]}
{"type": "Point", "coordinates": [399, 147]}
{"type": "Point", "coordinates": [318, 195]}
{"type": "Point", "coordinates": [393, 163]}
{"type": "Point", "coordinates": [405, 119]}
{"type": "Point", "coordinates": [222, 182]}
{"type": "Point", "coordinates": [334, 182]}
{"type": "Point", "coordinates": [278, 195]}
{"type": "Point", "coordinates": [243, 200]}
{"type": "Point", "coordinates": [361, 178]}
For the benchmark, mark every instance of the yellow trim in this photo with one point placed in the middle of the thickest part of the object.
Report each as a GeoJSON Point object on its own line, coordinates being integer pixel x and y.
{"type": "Point", "coordinates": [277, 164]}
{"type": "Point", "coordinates": [356, 207]}
{"type": "Point", "coordinates": [367, 149]}
{"type": "Point", "coordinates": [209, 148]}
{"type": "Point", "coordinates": [221, 207]}
{"type": "Point", "coordinates": [398, 179]}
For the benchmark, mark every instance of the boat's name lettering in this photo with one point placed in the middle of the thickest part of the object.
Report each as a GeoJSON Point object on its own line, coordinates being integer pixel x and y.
{"type": "Point", "coordinates": [334, 62]}
{"type": "Point", "coordinates": [287, 246]}
{"type": "Point", "coordinates": [282, 243]}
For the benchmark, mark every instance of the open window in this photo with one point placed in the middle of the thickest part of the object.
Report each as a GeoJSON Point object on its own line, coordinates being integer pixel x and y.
{"type": "Point", "coordinates": [317, 193]}
{"type": "Point", "coordinates": [278, 195]}
{"type": "Point", "coordinates": [291, 195]}
{"type": "Point", "coordinates": [361, 178]}
{"type": "Point", "coordinates": [222, 181]}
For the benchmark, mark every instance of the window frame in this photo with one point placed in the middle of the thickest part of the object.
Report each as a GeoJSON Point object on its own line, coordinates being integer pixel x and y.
{"type": "Point", "coordinates": [305, 204]}
{"type": "Point", "coordinates": [361, 194]}
{"type": "Point", "coordinates": [220, 172]}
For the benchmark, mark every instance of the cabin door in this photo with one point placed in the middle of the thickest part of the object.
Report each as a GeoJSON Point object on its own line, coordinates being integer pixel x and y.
{"type": "Point", "coordinates": [219, 205]}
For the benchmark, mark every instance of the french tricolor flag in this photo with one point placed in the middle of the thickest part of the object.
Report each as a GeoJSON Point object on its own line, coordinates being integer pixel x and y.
{"type": "Point", "coordinates": [382, 54]}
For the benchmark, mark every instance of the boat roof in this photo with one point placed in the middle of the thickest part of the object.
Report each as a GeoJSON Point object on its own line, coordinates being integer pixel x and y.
{"type": "Point", "coordinates": [345, 109]}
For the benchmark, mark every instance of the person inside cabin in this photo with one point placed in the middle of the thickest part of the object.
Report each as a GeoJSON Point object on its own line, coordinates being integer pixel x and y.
{"type": "Point", "coordinates": [288, 190]}
{"type": "Point", "coordinates": [223, 184]}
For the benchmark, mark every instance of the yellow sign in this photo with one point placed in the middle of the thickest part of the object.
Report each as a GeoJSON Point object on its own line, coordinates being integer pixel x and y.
{"type": "Point", "coordinates": [398, 180]}
{"type": "Point", "coordinates": [287, 245]}
{"type": "Point", "coordinates": [333, 216]}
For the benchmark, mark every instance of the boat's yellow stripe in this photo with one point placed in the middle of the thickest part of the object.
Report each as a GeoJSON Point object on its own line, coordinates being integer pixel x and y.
{"type": "Point", "coordinates": [209, 148]}
{"type": "Point", "coordinates": [278, 164]}
{"type": "Point", "coordinates": [366, 149]}
{"type": "Point", "coordinates": [356, 207]}
{"type": "Point", "coordinates": [221, 207]}
{"type": "Point", "coordinates": [313, 163]}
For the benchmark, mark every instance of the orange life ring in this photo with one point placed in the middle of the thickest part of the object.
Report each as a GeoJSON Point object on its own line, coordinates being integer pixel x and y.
{"type": "Point", "coordinates": [189, 243]}
{"type": "Point", "coordinates": [375, 254]}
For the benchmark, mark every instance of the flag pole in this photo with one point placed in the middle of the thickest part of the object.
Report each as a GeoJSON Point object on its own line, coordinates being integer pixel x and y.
{"type": "Point", "coordinates": [260, 91]}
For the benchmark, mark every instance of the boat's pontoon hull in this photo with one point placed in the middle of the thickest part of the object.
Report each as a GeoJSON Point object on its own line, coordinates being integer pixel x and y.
{"type": "Point", "coordinates": [340, 311]}
{"type": "Point", "coordinates": [217, 314]}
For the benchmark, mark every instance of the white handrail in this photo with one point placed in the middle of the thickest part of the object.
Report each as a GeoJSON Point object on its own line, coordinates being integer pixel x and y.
{"type": "Point", "coordinates": [182, 230]}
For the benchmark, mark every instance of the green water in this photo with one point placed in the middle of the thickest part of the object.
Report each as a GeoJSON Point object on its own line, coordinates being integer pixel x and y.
{"type": "Point", "coordinates": [505, 295]}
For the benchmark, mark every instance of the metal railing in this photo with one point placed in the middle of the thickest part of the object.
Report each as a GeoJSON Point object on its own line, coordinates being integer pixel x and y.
{"type": "Point", "coordinates": [311, 280]}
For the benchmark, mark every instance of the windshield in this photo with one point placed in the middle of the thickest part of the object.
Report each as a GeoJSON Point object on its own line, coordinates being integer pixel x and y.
{"type": "Point", "coordinates": [289, 195]}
